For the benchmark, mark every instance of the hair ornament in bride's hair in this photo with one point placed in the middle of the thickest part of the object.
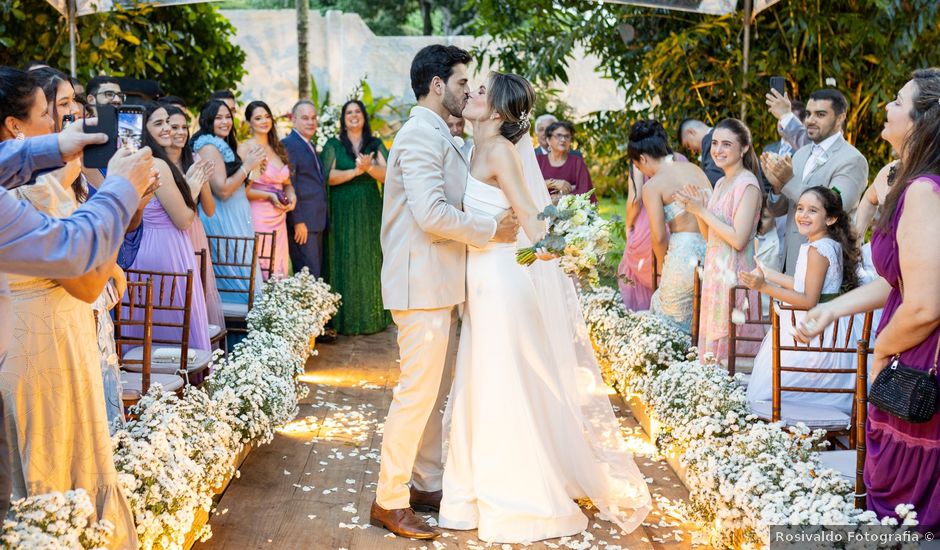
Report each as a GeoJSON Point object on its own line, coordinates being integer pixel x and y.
{"type": "Point", "coordinates": [524, 119]}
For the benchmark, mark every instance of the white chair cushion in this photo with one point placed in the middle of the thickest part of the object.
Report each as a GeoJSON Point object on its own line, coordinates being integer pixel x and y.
{"type": "Point", "coordinates": [133, 382]}
{"type": "Point", "coordinates": [201, 360]}
{"type": "Point", "coordinates": [171, 355]}
{"type": "Point", "coordinates": [814, 416]}
{"type": "Point", "coordinates": [239, 311]}
{"type": "Point", "coordinates": [843, 462]}
{"type": "Point", "coordinates": [214, 330]}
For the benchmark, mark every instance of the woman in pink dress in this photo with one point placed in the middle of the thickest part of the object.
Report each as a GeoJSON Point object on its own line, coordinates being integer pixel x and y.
{"type": "Point", "coordinates": [728, 219]}
{"type": "Point", "coordinates": [635, 272]}
{"type": "Point", "coordinates": [270, 192]}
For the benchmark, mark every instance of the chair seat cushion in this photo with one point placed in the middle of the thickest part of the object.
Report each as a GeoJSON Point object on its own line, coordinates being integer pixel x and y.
{"type": "Point", "coordinates": [238, 311]}
{"type": "Point", "coordinates": [133, 381]}
{"type": "Point", "coordinates": [201, 361]}
{"type": "Point", "coordinates": [215, 331]}
{"type": "Point", "coordinates": [171, 355]}
{"type": "Point", "coordinates": [814, 416]}
{"type": "Point", "coordinates": [843, 462]}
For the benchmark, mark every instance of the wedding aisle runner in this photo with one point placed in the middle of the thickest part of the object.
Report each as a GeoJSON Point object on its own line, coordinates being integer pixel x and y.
{"type": "Point", "coordinates": [312, 487]}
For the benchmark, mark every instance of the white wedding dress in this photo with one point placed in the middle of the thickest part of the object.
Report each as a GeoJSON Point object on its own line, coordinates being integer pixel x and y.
{"type": "Point", "coordinates": [529, 427]}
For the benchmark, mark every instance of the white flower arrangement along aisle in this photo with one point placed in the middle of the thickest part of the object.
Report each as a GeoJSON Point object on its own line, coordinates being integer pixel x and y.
{"type": "Point", "coordinates": [178, 452]}
{"type": "Point", "coordinates": [744, 475]}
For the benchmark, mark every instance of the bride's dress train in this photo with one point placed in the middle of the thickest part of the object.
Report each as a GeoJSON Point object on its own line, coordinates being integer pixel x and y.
{"type": "Point", "coordinates": [529, 426]}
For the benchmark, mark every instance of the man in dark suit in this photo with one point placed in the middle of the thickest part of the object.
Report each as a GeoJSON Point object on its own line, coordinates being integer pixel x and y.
{"type": "Point", "coordinates": [696, 136]}
{"type": "Point", "coordinates": [307, 222]}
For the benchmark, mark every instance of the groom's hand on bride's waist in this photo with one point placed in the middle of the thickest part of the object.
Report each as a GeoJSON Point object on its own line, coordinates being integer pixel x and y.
{"type": "Point", "coordinates": [507, 228]}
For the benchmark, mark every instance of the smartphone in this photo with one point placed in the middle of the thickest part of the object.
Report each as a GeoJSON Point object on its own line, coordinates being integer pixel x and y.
{"type": "Point", "coordinates": [67, 120]}
{"type": "Point", "coordinates": [97, 156]}
{"type": "Point", "coordinates": [778, 83]}
{"type": "Point", "coordinates": [130, 127]}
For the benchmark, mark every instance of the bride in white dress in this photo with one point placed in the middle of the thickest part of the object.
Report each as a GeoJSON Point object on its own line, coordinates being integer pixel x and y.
{"type": "Point", "coordinates": [529, 426]}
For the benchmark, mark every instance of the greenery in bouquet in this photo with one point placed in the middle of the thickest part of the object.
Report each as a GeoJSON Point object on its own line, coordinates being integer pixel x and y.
{"type": "Point", "coordinates": [577, 234]}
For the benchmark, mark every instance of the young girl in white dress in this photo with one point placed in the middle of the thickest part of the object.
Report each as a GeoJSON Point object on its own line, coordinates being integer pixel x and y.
{"type": "Point", "coordinates": [827, 266]}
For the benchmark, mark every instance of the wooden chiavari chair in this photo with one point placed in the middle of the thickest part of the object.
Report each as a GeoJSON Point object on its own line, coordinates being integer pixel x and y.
{"type": "Point", "coordinates": [849, 463]}
{"type": "Point", "coordinates": [696, 302]}
{"type": "Point", "coordinates": [753, 316]}
{"type": "Point", "coordinates": [173, 294]}
{"type": "Point", "coordinates": [241, 255]}
{"type": "Point", "coordinates": [216, 333]}
{"type": "Point", "coordinates": [266, 253]}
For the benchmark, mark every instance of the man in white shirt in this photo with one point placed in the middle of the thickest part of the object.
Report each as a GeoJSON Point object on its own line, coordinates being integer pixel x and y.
{"type": "Point", "coordinates": [828, 160]}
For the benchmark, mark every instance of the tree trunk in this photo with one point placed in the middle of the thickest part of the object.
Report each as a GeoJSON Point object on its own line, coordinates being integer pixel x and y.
{"type": "Point", "coordinates": [303, 65]}
{"type": "Point", "coordinates": [426, 15]}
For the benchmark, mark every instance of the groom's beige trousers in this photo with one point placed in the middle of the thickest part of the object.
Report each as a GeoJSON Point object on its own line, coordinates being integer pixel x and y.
{"type": "Point", "coordinates": [427, 341]}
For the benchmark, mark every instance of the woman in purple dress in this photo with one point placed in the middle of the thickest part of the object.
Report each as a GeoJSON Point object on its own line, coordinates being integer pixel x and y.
{"type": "Point", "coordinates": [903, 461]}
{"type": "Point", "coordinates": [165, 244]}
{"type": "Point", "coordinates": [196, 170]}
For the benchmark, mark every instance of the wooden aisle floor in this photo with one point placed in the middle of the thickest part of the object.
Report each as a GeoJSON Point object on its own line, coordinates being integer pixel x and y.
{"type": "Point", "coordinates": [312, 487]}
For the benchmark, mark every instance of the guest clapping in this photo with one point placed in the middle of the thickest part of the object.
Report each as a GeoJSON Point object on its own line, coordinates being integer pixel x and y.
{"type": "Point", "coordinates": [356, 162]}
{"type": "Point", "coordinates": [902, 455]}
{"type": "Point", "coordinates": [215, 142]}
{"type": "Point", "coordinates": [728, 219]}
{"type": "Point", "coordinates": [564, 172]}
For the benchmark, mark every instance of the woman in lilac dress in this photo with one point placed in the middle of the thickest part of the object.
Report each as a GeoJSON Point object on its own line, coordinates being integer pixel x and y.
{"type": "Point", "coordinates": [270, 192]}
{"type": "Point", "coordinates": [196, 171]}
{"type": "Point", "coordinates": [903, 461]}
{"type": "Point", "coordinates": [165, 245]}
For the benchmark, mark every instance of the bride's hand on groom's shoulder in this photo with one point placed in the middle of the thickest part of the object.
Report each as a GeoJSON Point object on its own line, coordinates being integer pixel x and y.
{"type": "Point", "coordinates": [507, 228]}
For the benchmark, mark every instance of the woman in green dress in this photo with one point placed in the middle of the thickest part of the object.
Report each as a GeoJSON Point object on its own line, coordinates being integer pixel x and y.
{"type": "Point", "coordinates": [356, 164]}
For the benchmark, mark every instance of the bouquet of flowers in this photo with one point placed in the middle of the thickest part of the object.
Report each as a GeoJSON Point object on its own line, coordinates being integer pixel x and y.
{"type": "Point", "coordinates": [576, 233]}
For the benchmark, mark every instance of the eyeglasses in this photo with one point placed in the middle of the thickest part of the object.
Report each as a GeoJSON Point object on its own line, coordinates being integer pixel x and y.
{"type": "Point", "coordinates": [562, 137]}
{"type": "Point", "coordinates": [109, 95]}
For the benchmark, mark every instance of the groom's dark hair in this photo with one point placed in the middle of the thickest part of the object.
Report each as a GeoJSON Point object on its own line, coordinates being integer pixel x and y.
{"type": "Point", "coordinates": [435, 60]}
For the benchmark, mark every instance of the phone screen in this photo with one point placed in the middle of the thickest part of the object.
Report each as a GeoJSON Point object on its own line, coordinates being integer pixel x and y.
{"type": "Point", "coordinates": [130, 129]}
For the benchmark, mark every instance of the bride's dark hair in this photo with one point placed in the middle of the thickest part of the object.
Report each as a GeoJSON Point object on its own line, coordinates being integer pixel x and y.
{"type": "Point", "coordinates": [512, 97]}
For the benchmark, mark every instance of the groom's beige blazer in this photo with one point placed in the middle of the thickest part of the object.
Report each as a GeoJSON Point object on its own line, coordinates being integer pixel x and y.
{"type": "Point", "coordinates": [424, 229]}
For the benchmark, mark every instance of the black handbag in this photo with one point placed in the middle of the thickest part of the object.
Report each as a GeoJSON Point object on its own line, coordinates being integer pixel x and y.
{"type": "Point", "coordinates": [907, 393]}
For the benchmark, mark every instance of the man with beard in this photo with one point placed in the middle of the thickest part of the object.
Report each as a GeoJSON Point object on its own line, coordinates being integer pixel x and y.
{"type": "Point", "coordinates": [425, 234]}
{"type": "Point", "coordinates": [828, 160]}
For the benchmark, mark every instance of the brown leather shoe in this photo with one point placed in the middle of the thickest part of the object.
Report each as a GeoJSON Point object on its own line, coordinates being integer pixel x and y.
{"type": "Point", "coordinates": [403, 522]}
{"type": "Point", "coordinates": [426, 501]}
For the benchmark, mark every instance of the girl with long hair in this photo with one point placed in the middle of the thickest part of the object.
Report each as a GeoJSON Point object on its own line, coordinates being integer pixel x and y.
{"type": "Point", "coordinates": [51, 380]}
{"type": "Point", "coordinates": [270, 192]}
{"type": "Point", "coordinates": [903, 458]}
{"type": "Point", "coordinates": [728, 219]}
{"type": "Point", "coordinates": [356, 165]}
{"type": "Point", "coordinates": [165, 245]}
{"type": "Point", "coordinates": [215, 142]}
{"type": "Point", "coordinates": [827, 265]}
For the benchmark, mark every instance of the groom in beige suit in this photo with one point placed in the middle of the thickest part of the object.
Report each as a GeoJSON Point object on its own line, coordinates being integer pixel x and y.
{"type": "Point", "coordinates": [424, 237]}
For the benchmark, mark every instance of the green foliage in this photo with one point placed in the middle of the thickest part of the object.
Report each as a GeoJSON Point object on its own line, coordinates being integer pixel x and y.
{"type": "Point", "coordinates": [682, 65]}
{"type": "Point", "coordinates": [187, 48]}
{"type": "Point", "coordinates": [384, 17]}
